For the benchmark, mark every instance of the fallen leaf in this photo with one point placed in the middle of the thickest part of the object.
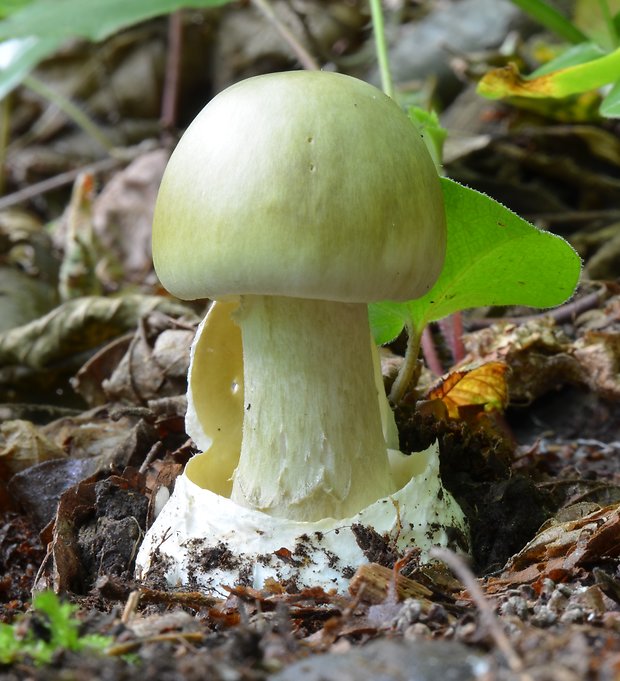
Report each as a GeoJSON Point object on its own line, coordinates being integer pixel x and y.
{"type": "Point", "coordinates": [559, 549]}
{"type": "Point", "coordinates": [484, 386]}
{"type": "Point", "coordinates": [23, 445]}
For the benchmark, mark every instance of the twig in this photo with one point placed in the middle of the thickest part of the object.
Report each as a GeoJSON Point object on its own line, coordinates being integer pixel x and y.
{"type": "Point", "coordinates": [305, 58]}
{"type": "Point", "coordinates": [157, 449]}
{"type": "Point", "coordinates": [5, 115]}
{"type": "Point", "coordinates": [429, 350]}
{"type": "Point", "coordinates": [469, 581]}
{"type": "Point", "coordinates": [57, 181]}
{"type": "Point", "coordinates": [171, 80]}
{"type": "Point", "coordinates": [559, 314]}
{"type": "Point", "coordinates": [130, 607]}
{"type": "Point", "coordinates": [458, 348]}
{"type": "Point", "coordinates": [70, 110]}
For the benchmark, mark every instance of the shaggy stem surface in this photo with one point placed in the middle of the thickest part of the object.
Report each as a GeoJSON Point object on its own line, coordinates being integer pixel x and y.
{"type": "Point", "coordinates": [312, 441]}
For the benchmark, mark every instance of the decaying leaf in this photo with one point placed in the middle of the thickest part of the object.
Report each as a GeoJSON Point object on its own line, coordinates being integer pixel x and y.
{"type": "Point", "coordinates": [77, 326]}
{"type": "Point", "coordinates": [78, 275]}
{"type": "Point", "coordinates": [22, 298]}
{"type": "Point", "coordinates": [598, 353]}
{"type": "Point", "coordinates": [148, 371]}
{"type": "Point", "coordinates": [537, 352]}
{"type": "Point", "coordinates": [484, 385]}
{"type": "Point", "coordinates": [98, 525]}
{"type": "Point", "coordinates": [90, 444]}
{"type": "Point", "coordinates": [562, 547]}
{"type": "Point", "coordinates": [580, 77]}
{"type": "Point", "coordinates": [123, 215]}
{"type": "Point", "coordinates": [150, 364]}
{"type": "Point", "coordinates": [371, 583]}
{"type": "Point", "coordinates": [88, 381]}
{"type": "Point", "coordinates": [23, 445]}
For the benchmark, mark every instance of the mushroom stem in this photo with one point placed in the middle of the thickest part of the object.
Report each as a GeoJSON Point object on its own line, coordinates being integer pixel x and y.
{"type": "Point", "coordinates": [312, 445]}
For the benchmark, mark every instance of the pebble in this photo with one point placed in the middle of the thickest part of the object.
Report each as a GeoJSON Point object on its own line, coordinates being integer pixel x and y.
{"type": "Point", "coordinates": [393, 660]}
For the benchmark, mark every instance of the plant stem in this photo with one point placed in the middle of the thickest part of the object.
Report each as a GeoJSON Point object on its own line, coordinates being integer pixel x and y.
{"type": "Point", "coordinates": [609, 20]}
{"type": "Point", "coordinates": [410, 366]}
{"type": "Point", "coordinates": [550, 18]}
{"type": "Point", "coordinates": [5, 114]}
{"type": "Point", "coordinates": [381, 47]}
{"type": "Point", "coordinates": [70, 109]}
{"type": "Point", "coordinates": [173, 71]}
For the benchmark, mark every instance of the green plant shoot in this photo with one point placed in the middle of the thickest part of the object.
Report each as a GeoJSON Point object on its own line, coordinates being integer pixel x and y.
{"type": "Point", "coordinates": [62, 633]}
{"type": "Point", "coordinates": [581, 68]}
{"type": "Point", "coordinates": [493, 257]}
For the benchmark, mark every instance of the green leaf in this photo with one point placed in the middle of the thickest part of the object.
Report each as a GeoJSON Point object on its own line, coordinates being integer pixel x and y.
{"type": "Point", "coordinates": [550, 18]}
{"type": "Point", "coordinates": [428, 125]}
{"type": "Point", "coordinates": [508, 82]}
{"type": "Point", "coordinates": [45, 24]}
{"type": "Point", "coordinates": [9, 645]}
{"type": "Point", "coordinates": [573, 56]}
{"type": "Point", "coordinates": [610, 106]}
{"type": "Point", "coordinates": [64, 630]}
{"type": "Point", "coordinates": [9, 6]}
{"type": "Point", "coordinates": [387, 320]}
{"type": "Point", "coordinates": [96, 20]}
{"type": "Point", "coordinates": [493, 257]}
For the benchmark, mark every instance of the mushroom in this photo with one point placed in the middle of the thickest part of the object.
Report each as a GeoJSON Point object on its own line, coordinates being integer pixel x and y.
{"type": "Point", "coordinates": [306, 195]}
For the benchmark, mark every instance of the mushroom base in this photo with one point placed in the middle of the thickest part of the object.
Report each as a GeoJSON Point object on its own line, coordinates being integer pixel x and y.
{"type": "Point", "coordinates": [206, 541]}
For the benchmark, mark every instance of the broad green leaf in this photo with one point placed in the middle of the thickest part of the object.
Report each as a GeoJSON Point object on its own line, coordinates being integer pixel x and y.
{"type": "Point", "coordinates": [493, 257]}
{"type": "Point", "coordinates": [93, 19]}
{"type": "Point", "coordinates": [610, 106]}
{"type": "Point", "coordinates": [387, 320]}
{"type": "Point", "coordinates": [508, 82]}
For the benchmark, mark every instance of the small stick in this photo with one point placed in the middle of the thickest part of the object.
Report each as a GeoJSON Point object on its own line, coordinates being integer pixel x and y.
{"type": "Point", "coordinates": [173, 67]}
{"type": "Point", "coordinates": [429, 350]}
{"type": "Point", "coordinates": [57, 181]}
{"type": "Point", "coordinates": [305, 58]}
{"type": "Point", "coordinates": [558, 314]}
{"type": "Point", "coordinates": [469, 581]}
{"type": "Point", "coordinates": [458, 348]}
{"type": "Point", "coordinates": [130, 607]}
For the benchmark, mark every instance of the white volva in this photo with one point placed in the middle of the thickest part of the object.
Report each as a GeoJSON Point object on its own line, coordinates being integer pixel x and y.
{"type": "Point", "coordinates": [201, 519]}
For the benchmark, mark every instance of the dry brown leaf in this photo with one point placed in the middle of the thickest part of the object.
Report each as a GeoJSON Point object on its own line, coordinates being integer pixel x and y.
{"type": "Point", "coordinates": [559, 549]}
{"type": "Point", "coordinates": [23, 445]}
{"type": "Point", "coordinates": [598, 353]}
{"type": "Point", "coordinates": [483, 386]}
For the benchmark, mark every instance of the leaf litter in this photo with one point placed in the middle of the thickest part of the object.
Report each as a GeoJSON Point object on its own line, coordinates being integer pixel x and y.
{"type": "Point", "coordinates": [92, 431]}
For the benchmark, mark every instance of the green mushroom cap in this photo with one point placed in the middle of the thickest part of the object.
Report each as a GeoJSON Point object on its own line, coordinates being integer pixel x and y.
{"type": "Point", "coordinates": [303, 184]}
